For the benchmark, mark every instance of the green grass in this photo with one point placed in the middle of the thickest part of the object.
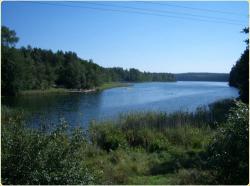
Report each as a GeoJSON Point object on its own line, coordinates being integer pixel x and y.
{"type": "Point", "coordinates": [45, 91]}
{"type": "Point", "coordinates": [112, 85]}
{"type": "Point", "coordinates": [64, 90]}
{"type": "Point", "coordinates": [167, 179]}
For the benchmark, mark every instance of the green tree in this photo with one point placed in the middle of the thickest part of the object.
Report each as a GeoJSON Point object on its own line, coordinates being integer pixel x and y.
{"type": "Point", "coordinates": [11, 71]}
{"type": "Point", "coordinates": [239, 73]}
{"type": "Point", "coordinates": [9, 37]}
{"type": "Point", "coordinates": [36, 68]}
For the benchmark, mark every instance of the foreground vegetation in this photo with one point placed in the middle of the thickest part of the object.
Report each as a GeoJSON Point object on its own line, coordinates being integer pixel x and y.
{"type": "Point", "coordinates": [205, 147]}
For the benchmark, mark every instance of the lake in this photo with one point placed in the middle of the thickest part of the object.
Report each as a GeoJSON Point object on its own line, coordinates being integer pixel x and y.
{"type": "Point", "coordinates": [79, 108]}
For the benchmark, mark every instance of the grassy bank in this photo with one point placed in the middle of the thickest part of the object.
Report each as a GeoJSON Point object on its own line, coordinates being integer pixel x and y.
{"type": "Point", "coordinates": [45, 91]}
{"type": "Point", "coordinates": [112, 85]}
{"type": "Point", "coordinates": [138, 148]}
{"type": "Point", "coordinates": [64, 90]}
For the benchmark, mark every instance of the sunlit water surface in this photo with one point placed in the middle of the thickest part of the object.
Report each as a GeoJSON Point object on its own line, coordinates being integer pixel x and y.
{"type": "Point", "coordinates": [79, 108]}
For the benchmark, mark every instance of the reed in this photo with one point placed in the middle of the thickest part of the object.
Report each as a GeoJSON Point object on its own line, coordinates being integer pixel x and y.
{"type": "Point", "coordinates": [136, 148]}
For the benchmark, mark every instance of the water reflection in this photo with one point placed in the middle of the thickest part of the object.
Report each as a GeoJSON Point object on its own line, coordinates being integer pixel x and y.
{"type": "Point", "coordinates": [78, 108]}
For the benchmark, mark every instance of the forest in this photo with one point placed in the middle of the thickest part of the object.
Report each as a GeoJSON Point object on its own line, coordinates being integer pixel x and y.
{"type": "Point", "coordinates": [202, 77]}
{"type": "Point", "coordinates": [30, 68]}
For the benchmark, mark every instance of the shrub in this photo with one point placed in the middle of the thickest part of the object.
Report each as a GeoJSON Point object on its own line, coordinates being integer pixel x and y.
{"type": "Point", "coordinates": [228, 151]}
{"type": "Point", "coordinates": [107, 136]}
{"type": "Point", "coordinates": [188, 136]}
{"type": "Point", "coordinates": [219, 111]}
{"type": "Point", "coordinates": [178, 159]}
{"type": "Point", "coordinates": [194, 177]}
{"type": "Point", "coordinates": [33, 157]}
{"type": "Point", "coordinates": [151, 140]}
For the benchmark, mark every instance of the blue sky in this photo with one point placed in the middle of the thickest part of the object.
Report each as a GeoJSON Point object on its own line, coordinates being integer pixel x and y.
{"type": "Point", "coordinates": [173, 42]}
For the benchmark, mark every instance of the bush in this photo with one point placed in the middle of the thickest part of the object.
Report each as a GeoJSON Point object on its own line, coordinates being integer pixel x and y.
{"type": "Point", "coordinates": [149, 139]}
{"type": "Point", "coordinates": [188, 136]}
{"type": "Point", "coordinates": [158, 143]}
{"type": "Point", "coordinates": [33, 157]}
{"type": "Point", "coordinates": [219, 111]}
{"type": "Point", "coordinates": [178, 159]}
{"type": "Point", "coordinates": [228, 151]}
{"type": "Point", "coordinates": [107, 136]}
{"type": "Point", "coordinates": [194, 177]}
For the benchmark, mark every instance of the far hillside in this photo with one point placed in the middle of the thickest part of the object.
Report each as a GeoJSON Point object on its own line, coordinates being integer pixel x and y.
{"type": "Point", "coordinates": [202, 77]}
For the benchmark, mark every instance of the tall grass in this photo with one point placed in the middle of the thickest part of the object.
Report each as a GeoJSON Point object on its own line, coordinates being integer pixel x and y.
{"type": "Point", "coordinates": [137, 148]}
{"type": "Point", "coordinates": [203, 116]}
{"type": "Point", "coordinates": [154, 130]}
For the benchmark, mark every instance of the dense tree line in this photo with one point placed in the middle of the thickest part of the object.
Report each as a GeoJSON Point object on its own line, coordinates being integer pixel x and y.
{"type": "Point", "coordinates": [134, 75]}
{"type": "Point", "coordinates": [30, 68]}
{"type": "Point", "coordinates": [240, 71]}
{"type": "Point", "coordinates": [202, 77]}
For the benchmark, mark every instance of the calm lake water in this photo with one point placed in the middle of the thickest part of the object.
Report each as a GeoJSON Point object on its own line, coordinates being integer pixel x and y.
{"type": "Point", "coordinates": [79, 109]}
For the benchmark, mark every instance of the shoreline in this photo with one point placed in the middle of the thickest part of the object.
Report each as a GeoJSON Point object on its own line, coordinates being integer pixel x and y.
{"type": "Point", "coordinates": [64, 90]}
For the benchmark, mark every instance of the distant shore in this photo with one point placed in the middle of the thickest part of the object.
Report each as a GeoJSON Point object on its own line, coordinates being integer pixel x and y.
{"type": "Point", "coordinates": [64, 90]}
